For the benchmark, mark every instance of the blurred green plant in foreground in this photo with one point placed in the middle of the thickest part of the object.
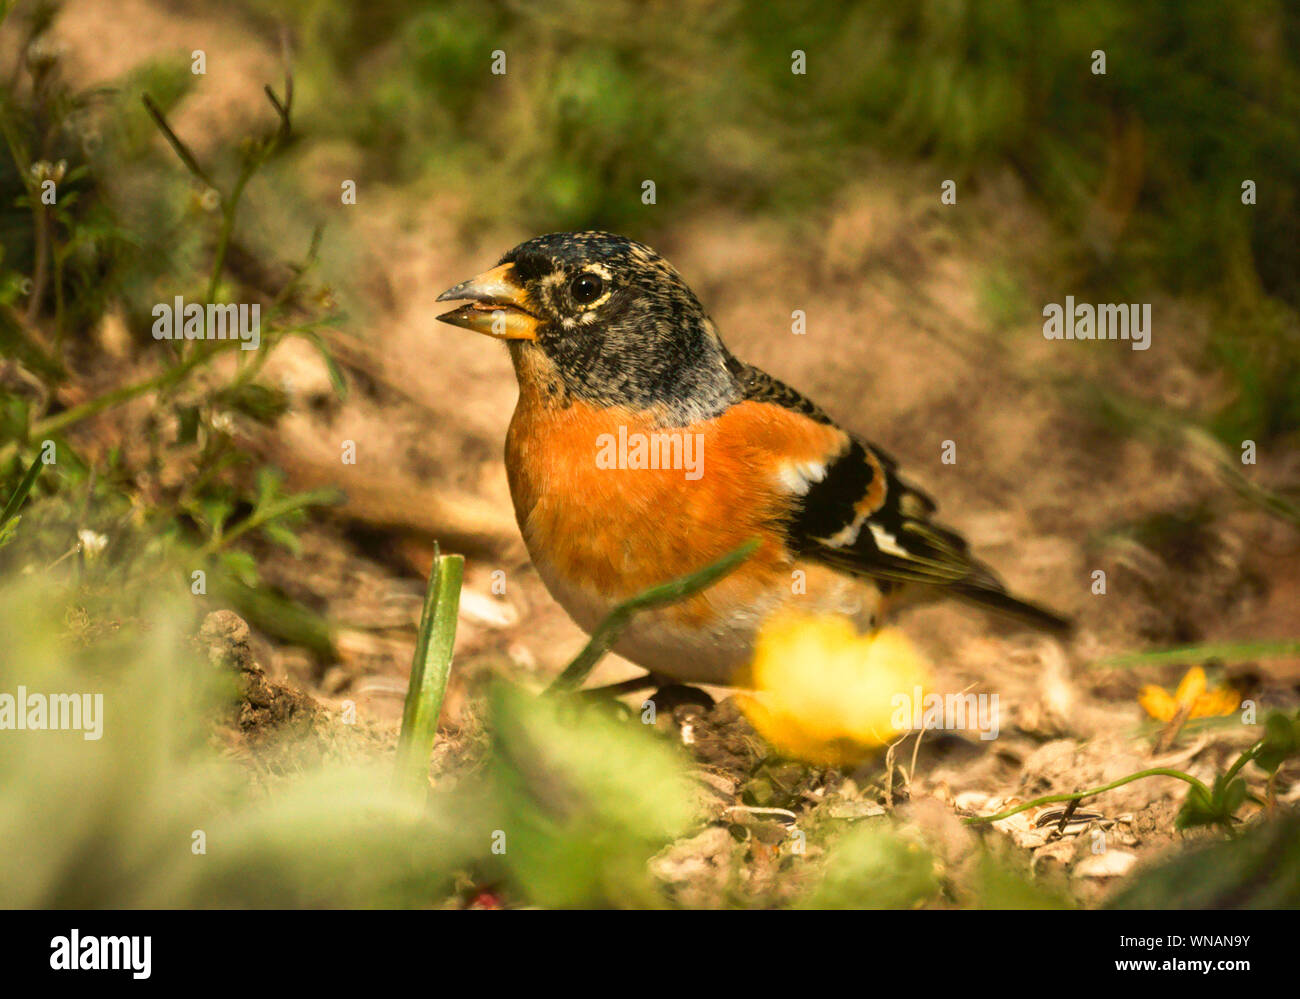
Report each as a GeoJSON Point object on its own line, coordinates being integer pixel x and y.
{"type": "Point", "coordinates": [571, 804]}
{"type": "Point", "coordinates": [116, 821]}
{"type": "Point", "coordinates": [575, 797]}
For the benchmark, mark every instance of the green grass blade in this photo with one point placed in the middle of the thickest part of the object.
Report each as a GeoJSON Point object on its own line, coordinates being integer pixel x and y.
{"type": "Point", "coordinates": [1204, 653]}
{"type": "Point", "coordinates": [20, 494]}
{"type": "Point", "coordinates": [430, 669]}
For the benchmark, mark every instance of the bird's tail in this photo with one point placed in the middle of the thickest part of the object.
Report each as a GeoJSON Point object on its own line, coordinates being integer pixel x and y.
{"type": "Point", "coordinates": [1000, 602]}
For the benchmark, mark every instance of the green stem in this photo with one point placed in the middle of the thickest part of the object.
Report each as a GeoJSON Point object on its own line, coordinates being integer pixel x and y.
{"type": "Point", "coordinates": [253, 162]}
{"type": "Point", "coordinates": [1203, 653]}
{"type": "Point", "coordinates": [41, 223]}
{"type": "Point", "coordinates": [91, 407]}
{"type": "Point", "coordinates": [621, 616]}
{"type": "Point", "coordinates": [316, 497]}
{"type": "Point", "coordinates": [1079, 795]}
{"type": "Point", "coordinates": [60, 308]}
{"type": "Point", "coordinates": [24, 487]}
{"type": "Point", "coordinates": [173, 140]}
{"type": "Point", "coordinates": [61, 421]}
{"type": "Point", "coordinates": [1242, 760]}
{"type": "Point", "coordinates": [229, 207]}
{"type": "Point", "coordinates": [430, 670]}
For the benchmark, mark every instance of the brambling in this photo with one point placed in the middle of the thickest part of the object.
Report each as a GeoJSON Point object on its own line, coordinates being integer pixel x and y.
{"type": "Point", "coordinates": [641, 450]}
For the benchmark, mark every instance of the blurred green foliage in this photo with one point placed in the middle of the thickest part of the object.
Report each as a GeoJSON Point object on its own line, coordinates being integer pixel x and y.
{"type": "Point", "coordinates": [587, 798]}
{"type": "Point", "coordinates": [1258, 870]}
{"type": "Point", "coordinates": [876, 866]}
{"type": "Point", "coordinates": [112, 821]}
{"type": "Point", "coordinates": [571, 803]}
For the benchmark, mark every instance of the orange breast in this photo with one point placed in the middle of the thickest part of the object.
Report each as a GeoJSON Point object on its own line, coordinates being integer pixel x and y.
{"type": "Point", "coordinates": [612, 529]}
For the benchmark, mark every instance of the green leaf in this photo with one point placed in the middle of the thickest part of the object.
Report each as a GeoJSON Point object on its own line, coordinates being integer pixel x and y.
{"type": "Point", "coordinates": [1281, 741]}
{"type": "Point", "coordinates": [1258, 870]}
{"type": "Point", "coordinates": [1226, 796]}
{"type": "Point", "coordinates": [1202, 653]}
{"type": "Point", "coordinates": [268, 487]}
{"type": "Point", "coordinates": [337, 380]}
{"type": "Point", "coordinates": [589, 797]}
{"type": "Point", "coordinates": [277, 615]}
{"type": "Point", "coordinates": [283, 536]}
{"type": "Point", "coordinates": [212, 512]}
{"type": "Point", "coordinates": [242, 566]}
{"type": "Point", "coordinates": [1233, 796]}
{"type": "Point", "coordinates": [258, 402]}
{"type": "Point", "coordinates": [1197, 810]}
{"type": "Point", "coordinates": [874, 866]}
{"type": "Point", "coordinates": [20, 494]}
{"type": "Point", "coordinates": [430, 669]}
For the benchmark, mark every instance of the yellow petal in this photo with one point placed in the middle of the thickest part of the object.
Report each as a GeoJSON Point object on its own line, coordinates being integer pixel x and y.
{"type": "Point", "coordinates": [826, 694]}
{"type": "Point", "coordinates": [1157, 703]}
{"type": "Point", "coordinates": [1216, 702]}
{"type": "Point", "coordinates": [1190, 687]}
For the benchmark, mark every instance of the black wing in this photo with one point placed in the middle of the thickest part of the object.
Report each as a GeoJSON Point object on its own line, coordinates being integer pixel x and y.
{"type": "Point", "coordinates": [862, 518]}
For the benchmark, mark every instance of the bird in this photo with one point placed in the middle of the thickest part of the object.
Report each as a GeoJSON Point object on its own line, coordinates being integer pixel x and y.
{"type": "Point", "coordinates": [641, 449]}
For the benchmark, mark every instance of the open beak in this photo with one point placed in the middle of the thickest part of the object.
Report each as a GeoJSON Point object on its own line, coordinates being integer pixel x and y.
{"type": "Point", "coordinates": [497, 306]}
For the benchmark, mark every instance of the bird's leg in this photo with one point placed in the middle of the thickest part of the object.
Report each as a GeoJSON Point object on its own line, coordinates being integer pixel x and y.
{"type": "Point", "coordinates": [667, 693]}
{"type": "Point", "coordinates": [673, 695]}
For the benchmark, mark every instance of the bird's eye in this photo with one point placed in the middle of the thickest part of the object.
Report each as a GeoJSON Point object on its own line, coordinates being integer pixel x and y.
{"type": "Point", "coordinates": [586, 288]}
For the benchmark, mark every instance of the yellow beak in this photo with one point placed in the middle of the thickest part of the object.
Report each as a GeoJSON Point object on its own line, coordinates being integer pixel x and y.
{"type": "Point", "coordinates": [497, 306]}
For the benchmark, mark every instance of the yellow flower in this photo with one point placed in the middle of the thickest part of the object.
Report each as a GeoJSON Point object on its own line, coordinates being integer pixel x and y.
{"type": "Point", "coordinates": [1192, 690]}
{"type": "Point", "coordinates": [825, 693]}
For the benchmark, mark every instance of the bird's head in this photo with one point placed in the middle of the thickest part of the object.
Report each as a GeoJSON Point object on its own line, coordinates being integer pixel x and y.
{"type": "Point", "coordinates": [600, 318]}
